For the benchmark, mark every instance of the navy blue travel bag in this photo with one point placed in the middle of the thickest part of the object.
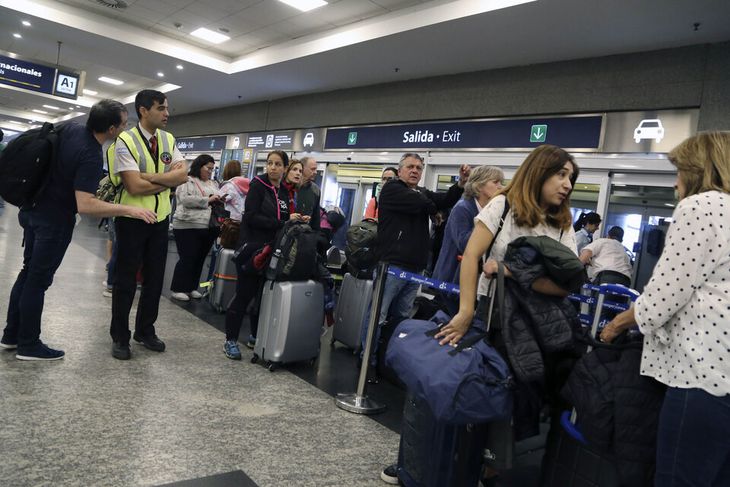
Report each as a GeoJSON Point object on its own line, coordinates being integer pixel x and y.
{"type": "Point", "coordinates": [470, 383]}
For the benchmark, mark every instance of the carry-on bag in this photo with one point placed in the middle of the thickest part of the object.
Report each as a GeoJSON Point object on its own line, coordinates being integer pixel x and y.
{"type": "Point", "coordinates": [435, 454]}
{"type": "Point", "coordinates": [469, 383]}
{"type": "Point", "coordinates": [295, 253]}
{"type": "Point", "coordinates": [290, 322]}
{"type": "Point", "coordinates": [352, 305]}
{"type": "Point", "coordinates": [223, 287]}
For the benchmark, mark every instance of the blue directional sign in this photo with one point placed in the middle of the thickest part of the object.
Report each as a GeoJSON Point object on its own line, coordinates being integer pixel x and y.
{"type": "Point", "coordinates": [579, 132]}
{"type": "Point", "coordinates": [26, 75]}
{"type": "Point", "coordinates": [201, 144]}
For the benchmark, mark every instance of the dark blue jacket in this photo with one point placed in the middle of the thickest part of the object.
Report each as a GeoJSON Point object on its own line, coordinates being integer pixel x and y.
{"type": "Point", "coordinates": [457, 233]}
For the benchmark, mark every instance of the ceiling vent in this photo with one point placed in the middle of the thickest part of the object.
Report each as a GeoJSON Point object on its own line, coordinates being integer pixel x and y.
{"type": "Point", "coordinates": [116, 4]}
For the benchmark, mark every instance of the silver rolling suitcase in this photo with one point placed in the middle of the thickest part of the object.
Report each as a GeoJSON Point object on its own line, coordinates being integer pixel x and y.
{"type": "Point", "coordinates": [223, 288]}
{"type": "Point", "coordinates": [290, 322]}
{"type": "Point", "coordinates": [352, 305]}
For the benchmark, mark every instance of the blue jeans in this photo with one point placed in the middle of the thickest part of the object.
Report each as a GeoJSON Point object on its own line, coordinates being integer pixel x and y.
{"type": "Point", "coordinates": [693, 441]}
{"type": "Point", "coordinates": [46, 240]}
{"type": "Point", "coordinates": [398, 297]}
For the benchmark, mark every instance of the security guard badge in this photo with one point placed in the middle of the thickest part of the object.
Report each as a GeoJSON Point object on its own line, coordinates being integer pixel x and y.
{"type": "Point", "coordinates": [166, 158]}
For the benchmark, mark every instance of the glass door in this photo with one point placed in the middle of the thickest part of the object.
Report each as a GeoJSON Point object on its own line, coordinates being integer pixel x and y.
{"type": "Point", "coordinates": [643, 209]}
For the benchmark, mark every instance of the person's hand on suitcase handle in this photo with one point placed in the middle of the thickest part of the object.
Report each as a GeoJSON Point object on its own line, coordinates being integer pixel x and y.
{"type": "Point", "coordinates": [490, 268]}
{"type": "Point", "coordinates": [620, 323]}
{"type": "Point", "coordinates": [456, 329]}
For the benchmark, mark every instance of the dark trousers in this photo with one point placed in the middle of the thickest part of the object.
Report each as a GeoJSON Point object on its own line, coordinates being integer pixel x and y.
{"type": "Point", "coordinates": [248, 287]}
{"type": "Point", "coordinates": [612, 277]}
{"type": "Point", "coordinates": [193, 246]}
{"type": "Point", "coordinates": [145, 245]}
{"type": "Point", "coordinates": [693, 441]}
{"type": "Point", "coordinates": [46, 240]}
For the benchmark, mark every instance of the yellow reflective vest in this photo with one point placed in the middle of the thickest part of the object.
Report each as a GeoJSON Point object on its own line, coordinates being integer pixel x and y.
{"type": "Point", "coordinates": [149, 163]}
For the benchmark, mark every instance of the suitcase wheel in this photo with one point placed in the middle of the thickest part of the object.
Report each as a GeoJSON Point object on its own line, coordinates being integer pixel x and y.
{"type": "Point", "coordinates": [254, 359]}
{"type": "Point", "coordinates": [271, 366]}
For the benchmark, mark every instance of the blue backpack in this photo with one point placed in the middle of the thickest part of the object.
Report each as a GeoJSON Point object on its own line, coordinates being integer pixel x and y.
{"type": "Point", "coordinates": [470, 383]}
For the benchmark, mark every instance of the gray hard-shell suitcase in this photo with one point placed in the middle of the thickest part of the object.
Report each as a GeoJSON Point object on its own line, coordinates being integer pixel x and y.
{"type": "Point", "coordinates": [352, 305]}
{"type": "Point", "coordinates": [290, 322]}
{"type": "Point", "coordinates": [223, 288]}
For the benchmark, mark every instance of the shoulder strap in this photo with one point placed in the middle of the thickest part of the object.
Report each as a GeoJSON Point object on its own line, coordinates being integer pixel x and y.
{"type": "Point", "coordinates": [499, 228]}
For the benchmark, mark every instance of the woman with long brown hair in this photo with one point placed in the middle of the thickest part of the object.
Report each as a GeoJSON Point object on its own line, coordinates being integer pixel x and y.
{"type": "Point", "coordinates": [539, 204]}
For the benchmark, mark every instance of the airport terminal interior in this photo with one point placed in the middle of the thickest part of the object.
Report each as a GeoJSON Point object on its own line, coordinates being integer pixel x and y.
{"type": "Point", "coordinates": [352, 84]}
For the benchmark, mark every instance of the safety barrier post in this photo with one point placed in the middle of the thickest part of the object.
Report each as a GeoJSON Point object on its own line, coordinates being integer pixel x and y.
{"type": "Point", "coordinates": [358, 402]}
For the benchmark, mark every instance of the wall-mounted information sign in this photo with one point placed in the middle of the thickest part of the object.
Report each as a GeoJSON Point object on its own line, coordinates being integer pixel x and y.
{"type": "Point", "coordinates": [579, 132]}
{"type": "Point", "coordinates": [201, 144]}
{"type": "Point", "coordinates": [271, 140]}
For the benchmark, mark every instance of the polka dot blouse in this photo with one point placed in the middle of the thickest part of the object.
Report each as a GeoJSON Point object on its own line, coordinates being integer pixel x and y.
{"type": "Point", "coordinates": [684, 312]}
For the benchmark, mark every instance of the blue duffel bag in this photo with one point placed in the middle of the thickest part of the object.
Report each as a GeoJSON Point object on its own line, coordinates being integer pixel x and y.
{"type": "Point", "coordinates": [470, 383]}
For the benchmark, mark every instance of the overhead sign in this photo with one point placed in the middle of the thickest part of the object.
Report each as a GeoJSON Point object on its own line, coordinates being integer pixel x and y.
{"type": "Point", "coordinates": [201, 144]}
{"type": "Point", "coordinates": [649, 131]}
{"type": "Point", "coordinates": [271, 140]}
{"type": "Point", "coordinates": [27, 75]}
{"type": "Point", "coordinates": [309, 140]}
{"type": "Point", "coordinates": [578, 132]}
{"type": "Point", "coordinates": [67, 85]}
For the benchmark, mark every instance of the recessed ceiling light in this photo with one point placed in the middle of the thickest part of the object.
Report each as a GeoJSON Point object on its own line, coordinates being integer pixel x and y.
{"type": "Point", "coordinates": [26, 23]}
{"type": "Point", "coordinates": [305, 5]}
{"type": "Point", "coordinates": [179, 66]}
{"type": "Point", "coordinates": [209, 35]}
{"type": "Point", "coordinates": [17, 36]}
{"type": "Point", "coordinates": [160, 74]}
{"type": "Point", "coordinates": [90, 92]}
{"type": "Point", "coordinates": [51, 107]}
{"type": "Point", "coordinates": [40, 111]}
{"type": "Point", "coordinates": [111, 81]}
{"type": "Point", "coordinates": [77, 106]}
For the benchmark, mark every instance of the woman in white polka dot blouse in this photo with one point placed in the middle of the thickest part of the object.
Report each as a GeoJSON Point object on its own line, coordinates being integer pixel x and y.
{"type": "Point", "coordinates": [684, 315]}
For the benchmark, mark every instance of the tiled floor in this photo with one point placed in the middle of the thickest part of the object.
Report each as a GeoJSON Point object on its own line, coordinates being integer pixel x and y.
{"type": "Point", "coordinates": [160, 418]}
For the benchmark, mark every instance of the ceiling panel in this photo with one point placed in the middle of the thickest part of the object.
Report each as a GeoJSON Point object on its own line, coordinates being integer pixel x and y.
{"type": "Point", "coordinates": [271, 12]}
{"type": "Point", "coordinates": [349, 11]}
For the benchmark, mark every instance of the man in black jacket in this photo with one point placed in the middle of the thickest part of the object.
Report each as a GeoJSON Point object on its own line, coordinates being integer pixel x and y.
{"type": "Point", "coordinates": [403, 236]}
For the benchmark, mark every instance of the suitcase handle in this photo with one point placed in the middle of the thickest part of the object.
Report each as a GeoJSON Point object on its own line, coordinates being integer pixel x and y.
{"type": "Point", "coordinates": [571, 428]}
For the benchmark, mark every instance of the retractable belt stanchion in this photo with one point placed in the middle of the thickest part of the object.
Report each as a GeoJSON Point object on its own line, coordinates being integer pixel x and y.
{"type": "Point", "coordinates": [358, 402]}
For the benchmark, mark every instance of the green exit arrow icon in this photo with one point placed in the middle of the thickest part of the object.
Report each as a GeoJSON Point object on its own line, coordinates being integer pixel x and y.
{"type": "Point", "coordinates": [352, 138]}
{"type": "Point", "coordinates": [538, 133]}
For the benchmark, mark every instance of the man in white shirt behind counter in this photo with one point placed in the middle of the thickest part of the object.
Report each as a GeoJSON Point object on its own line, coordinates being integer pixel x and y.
{"type": "Point", "coordinates": [607, 260]}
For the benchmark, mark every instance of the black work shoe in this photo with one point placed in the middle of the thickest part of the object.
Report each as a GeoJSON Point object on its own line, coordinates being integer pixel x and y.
{"type": "Point", "coordinates": [121, 351]}
{"type": "Point", "coordinates": [153, 343]}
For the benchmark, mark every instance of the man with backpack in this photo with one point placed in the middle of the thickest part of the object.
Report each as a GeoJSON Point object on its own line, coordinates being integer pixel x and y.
{"type": "Point", "coordinates": [48, 219]}
{"type": "Point", "coordinates": [403, 237]}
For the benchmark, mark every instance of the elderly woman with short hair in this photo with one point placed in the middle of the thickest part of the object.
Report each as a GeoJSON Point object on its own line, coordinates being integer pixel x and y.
{"type": "Point", "coordinates": [484, 182]}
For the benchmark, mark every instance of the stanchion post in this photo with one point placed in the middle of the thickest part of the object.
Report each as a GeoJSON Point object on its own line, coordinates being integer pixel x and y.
{"type": "Point", "coordinates": [358, 402]}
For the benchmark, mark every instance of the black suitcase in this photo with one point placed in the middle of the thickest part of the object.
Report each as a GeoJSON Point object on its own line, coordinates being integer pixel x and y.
{"type": "Point", "coordinates": [434, 454]}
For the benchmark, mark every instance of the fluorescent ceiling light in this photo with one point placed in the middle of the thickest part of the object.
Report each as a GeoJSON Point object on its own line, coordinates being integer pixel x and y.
{"type": "Point", "coordinates": [17, 36]}
{"type": "Point", "coordinates": [40, 111]}
{"type": "Point", "coordinates": [90, 92]}
{"type": "Point", "coordinates": [51, 107]}
{"type": "Point", "coordinates": [111, 81]}
{"type": "Point", "coordinates": [160, 74]}
{"type": "Point", "coordinates": [209, 35]}
{"type": "Point", "coordinates": [179, 66]}
{"type": "Point", "coordinates": [305, 5]}
{"type": "Point", "coordinates": [26, 23]}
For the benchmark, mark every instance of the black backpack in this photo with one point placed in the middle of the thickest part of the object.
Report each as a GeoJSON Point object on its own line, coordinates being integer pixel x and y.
{"type": "Point", "coordinates": [25, 164]}
{"type": "Point", "coordinates": [361, 247]}
{"type": "Point", "coordinates": [295, 254]}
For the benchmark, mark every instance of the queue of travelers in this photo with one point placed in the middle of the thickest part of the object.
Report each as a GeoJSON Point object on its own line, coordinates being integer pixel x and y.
{"type": "Point", "coordinates": [493, 230]}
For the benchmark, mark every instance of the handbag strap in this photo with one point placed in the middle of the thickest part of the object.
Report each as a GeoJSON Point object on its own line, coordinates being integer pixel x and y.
{"type": "Point", "coordinates": [199, 188]}
{"type": "Point", "coordinates": [500, 293]}
{"type": "Point", "coordinates": [499, 229]}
